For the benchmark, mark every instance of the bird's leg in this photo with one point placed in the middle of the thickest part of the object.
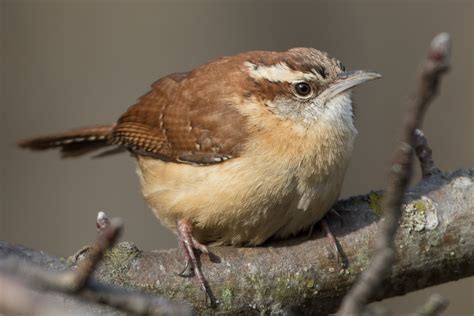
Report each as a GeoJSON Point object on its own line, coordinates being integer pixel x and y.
{"type": "Point", "coordinates": [332, 212]}
{"type": "Point", "coordinates": [334, 243]}
{"type": "Point", "coordinates": [188, 244]}
{"type": "Point", "coordinates": [330, 236]}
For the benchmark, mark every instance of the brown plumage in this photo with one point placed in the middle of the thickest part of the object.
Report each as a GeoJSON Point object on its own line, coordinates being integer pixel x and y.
{"type": "Point", "coordinates": [179, 120]}
{"type": "Point", "coordinates": [73, 142]}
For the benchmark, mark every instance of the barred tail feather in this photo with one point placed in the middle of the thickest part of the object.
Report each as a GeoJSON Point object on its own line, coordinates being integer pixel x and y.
{"type": "Point", "coordinates": [74, 142]}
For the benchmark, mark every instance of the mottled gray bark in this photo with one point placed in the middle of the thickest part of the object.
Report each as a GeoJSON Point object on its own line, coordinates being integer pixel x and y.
{"type": "Point", "coordinates": [435, 245]}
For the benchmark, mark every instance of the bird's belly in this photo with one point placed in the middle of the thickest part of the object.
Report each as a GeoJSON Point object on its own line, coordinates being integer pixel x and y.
{"type": "Point", "coordinates": [237, 202]}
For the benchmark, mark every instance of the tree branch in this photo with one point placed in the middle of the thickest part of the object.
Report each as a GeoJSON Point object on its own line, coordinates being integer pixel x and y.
{"type": "Point", "coordinates": [423, 153]}
{"type": "Point", "coordinates": [434, 245]}
{"type": "Point", "coordinates": [435, 65]}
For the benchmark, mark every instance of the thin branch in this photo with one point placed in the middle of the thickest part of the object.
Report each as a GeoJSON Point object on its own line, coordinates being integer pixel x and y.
{"type": "Point", "coordinates": [105, 240]}
{"type": "Point", "coordinates": [424, 155]}
{"type": "Point", "coordinates": [436, 64]}
{"type": "Point", "coordinates": [101, 224]}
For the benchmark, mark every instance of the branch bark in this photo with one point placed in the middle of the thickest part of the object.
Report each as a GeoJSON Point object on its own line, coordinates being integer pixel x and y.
{"type": "Point", "coordinates": [434, 245]}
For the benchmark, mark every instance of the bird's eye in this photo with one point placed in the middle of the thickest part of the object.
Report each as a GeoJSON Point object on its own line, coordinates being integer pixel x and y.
{"type": "Point", "coordinates": [302, 89]}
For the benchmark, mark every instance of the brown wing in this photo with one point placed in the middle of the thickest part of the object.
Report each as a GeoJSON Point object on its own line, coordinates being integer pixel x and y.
{"type": "Point", "coordinates": [184, 118]}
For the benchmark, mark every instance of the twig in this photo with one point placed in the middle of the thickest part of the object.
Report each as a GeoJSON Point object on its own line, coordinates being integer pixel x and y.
{"type": "Point", "coordinates": [105, 240]}
{"type": "Point", "coordinates": [424, 155]}
{"type": "Point", "coordinates": [436, 63]}
{"type": "Point", "coordinates": [101, 224]}
{"type": "Point", "coordinates": [435, 305]}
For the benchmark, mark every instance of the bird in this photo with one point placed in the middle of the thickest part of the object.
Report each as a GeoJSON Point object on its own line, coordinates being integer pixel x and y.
{"type": "Point", "coordinates": [237, 151]}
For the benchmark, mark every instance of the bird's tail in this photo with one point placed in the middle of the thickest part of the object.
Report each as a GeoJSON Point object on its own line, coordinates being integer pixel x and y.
{"type": "Point", "coordinates": [73, 142]}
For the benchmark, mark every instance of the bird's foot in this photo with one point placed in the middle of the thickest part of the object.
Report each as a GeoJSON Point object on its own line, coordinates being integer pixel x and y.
{"type": "Point", "coordinates": [188, 245]}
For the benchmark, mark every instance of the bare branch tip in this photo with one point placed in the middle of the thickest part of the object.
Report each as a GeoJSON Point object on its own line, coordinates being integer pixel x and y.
{"type": "Point", "coordinates": [101, 216]}
{"type": "Point", "coordinates": [102, 221]}
{"type": "Point", "coordinates": [440, 48]}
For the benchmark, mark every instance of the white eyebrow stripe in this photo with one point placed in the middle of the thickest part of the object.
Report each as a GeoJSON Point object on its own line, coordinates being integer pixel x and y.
{"type": "Point", "coordinates": [277, 73]}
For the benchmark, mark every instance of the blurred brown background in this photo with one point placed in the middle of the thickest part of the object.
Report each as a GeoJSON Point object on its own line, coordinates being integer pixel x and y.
{"type": "Point", "coordinates": [72, 63]}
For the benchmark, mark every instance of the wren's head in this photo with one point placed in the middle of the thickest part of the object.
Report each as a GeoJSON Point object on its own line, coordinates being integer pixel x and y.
{"type": "Point", "coordinates": [302, 84]}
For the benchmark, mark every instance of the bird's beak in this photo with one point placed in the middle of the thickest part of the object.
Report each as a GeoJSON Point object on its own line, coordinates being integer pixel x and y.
{"type": "Point", "coordinates": [347, 80]}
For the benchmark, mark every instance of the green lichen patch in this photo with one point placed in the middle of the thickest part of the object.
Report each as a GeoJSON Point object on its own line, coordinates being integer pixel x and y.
{"type": "Point", "coordinates": [117, 261]}
{"type": "Point", "coordinates": [226, 298]}
{"type": "Point", "coordinates": [282, 290]}
{"type": "Point", "coordinates": [68, 261]}
{"type": "Point", "coordinates": [360, 262]}
{"type": "Point", "coordinates": [375, 202]}
{"type": "Point", "coordinates": [419, 215]}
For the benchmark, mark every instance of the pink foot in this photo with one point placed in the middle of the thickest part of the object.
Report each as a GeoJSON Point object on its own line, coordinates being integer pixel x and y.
{"type": "Point", "coordinates": [188, 245]}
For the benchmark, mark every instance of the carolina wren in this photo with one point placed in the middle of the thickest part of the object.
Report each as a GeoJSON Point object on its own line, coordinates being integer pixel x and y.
{"type": "Point", "coordinates": [238, 150]}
